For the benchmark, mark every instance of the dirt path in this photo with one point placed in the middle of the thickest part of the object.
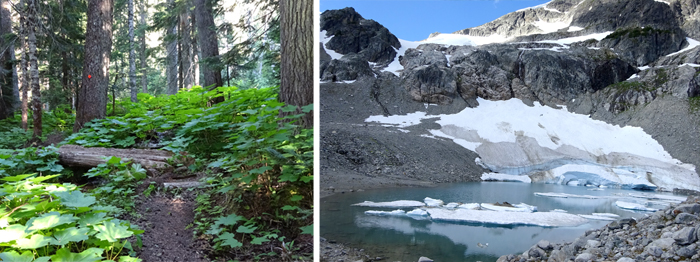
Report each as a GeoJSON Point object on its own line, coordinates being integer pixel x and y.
{"type": "Point", "coordinates": [165, 217]}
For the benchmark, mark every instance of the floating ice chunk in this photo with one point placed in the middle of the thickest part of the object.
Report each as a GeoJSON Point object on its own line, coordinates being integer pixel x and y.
{"type": "Point", "coordinates": [398, 203]}
{"type": "Point", "coordinates": [452, 205]}
{"type": "Point", "coordinates": [606, 215]}
{"type": "Point", "coordinates": [473, 206]}
{"type": "Point", "coordinates": [505, 177]}
{"type": "Point", "coordinates": [545, 219]}
{"type": "Point", "coordinates": [397, 212]}
{"type": "Point", "coordinates": [565, 195]}
{"type": "Point", "coordinates": [559, 210]}
{"type": "Point", "coordinates": [634, 206]}
{"type": "Point", "coordinates": [417, 212]}
{"type": "Point", "coordinates": [666, 198]}
{"type": "Point", "coordinates": [516, 208]}
{"type": "Point", "coordinates": [431, 202]}
{"type": "Point", "coordinates": [594, 217]}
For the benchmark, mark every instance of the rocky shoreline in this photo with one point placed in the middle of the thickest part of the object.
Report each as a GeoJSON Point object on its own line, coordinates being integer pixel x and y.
{"type": "Point", "coordinates": [666, 235]}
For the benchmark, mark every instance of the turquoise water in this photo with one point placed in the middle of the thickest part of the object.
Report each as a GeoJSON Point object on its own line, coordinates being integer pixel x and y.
{"type": "Point", "coordinates": [407, 239]}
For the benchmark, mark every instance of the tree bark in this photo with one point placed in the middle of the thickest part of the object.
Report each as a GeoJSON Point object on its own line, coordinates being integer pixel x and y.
{"type": "Point", "coordinates": [185, 26]}
{"type": "Point", "coordinates": [144, 66]}
{"type": "Point", "coordinates": [24, 80]}
{"type": "Point", "coordinates": [171, 56]}
{"type": "Point", "coordinates": [34, 70]}
{"type": "Point", "coordinates": [7, 50]}
{"type": "Point", "coordinates": [209, 46]}
{"type": "Point", "coordinates": [195, 52]}
{"type": "Point", "coordinates": [92, 101]}
{"type": "Point", "coordinates": [296, 65]}
{"type": "Point", "coordinates": [132, 53]}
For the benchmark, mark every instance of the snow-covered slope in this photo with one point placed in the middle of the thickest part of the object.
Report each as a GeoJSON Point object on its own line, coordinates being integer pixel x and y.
{"type": "Point", "coordinates": [554, 145]}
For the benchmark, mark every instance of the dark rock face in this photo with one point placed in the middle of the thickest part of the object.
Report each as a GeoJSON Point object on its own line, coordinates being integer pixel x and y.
{"type": "Point", "coordinates": [610, 72]}
{"type": "Point", "coordinates": [604, 15]}
{"type": "Point", "coordinates": [643, 46]}
{"type": "Point", "coordinates": [354, 34]}
{"type": "Point", "coordinates": [349, 67]}
{"type": "Point", "coordinates": [430, 83]}
{"type": "Point", "coordinates": [416, 57]}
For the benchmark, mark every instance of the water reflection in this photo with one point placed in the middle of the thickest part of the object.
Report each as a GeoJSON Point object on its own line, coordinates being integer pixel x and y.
{"type": "Point", "coordinates": [406, 239]}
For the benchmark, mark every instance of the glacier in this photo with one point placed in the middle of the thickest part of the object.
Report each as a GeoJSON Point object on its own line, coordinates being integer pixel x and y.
{"type": "Point", "coordinates": [549, 145]}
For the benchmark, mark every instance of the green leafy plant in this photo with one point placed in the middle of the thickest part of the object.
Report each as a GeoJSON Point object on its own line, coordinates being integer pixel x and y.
{"type": "Point", "coordinates": [41, 221]}
{"type": "Point", "coordinates": [118, 189]}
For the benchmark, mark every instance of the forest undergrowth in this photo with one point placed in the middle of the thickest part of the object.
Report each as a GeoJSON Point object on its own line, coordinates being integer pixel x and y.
{"type": "Point", "coordinates": [255, 167]}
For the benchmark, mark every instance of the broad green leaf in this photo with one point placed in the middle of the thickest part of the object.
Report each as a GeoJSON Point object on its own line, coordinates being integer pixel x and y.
{"type": "Point", "coordinates": [246, 230]}
{"type": "Point", "coordinates": [26, 256]}
{"type": "Point", "coordinates": [111, 231]}
{"type": "Point", "coordinates": [46, 205]}
{"type": "Point", "coordinates": [288, 207]}
{"type": "Point", "coordinates": [42, 178]}
{"type": "Point", "coordinates": [307, 108]}
{"type": "Point", "coordinates": [91, 219]}
{"type": "Point", "coordinates": [259, 240]}
{"type": "Point", "coordinates": [75, 199]}
{"type": "Point", "coordinates": [113, 160]}
{"type": "Point", "coordinates": [50, 220]}
{"type": "Point", "coordinates": [129, 259]}
{"type": "Point", "coordinates": [15, 178]}
{"type": "Point", "coordinates": [12, 232]}
{"type": "Point", "coordinates": [289, 108]}
{"type": "Point", "coordinates": [229, 220]}
{"type": "Point", "coordinates": [296, 198]}
{"type": "Point", "coordinates": [229, 240]}
{"type": "Point", "coordinates": [260, 170]}
{"type": "Point", "coordinates": [42, 259]}
{"type": "Point", "coordinates": [71, 234]}
{"type": "Point", "coordinates": [89, 255]}
{"type": "Point", "coordinates": [36, 241]}
{"type": "Point", "coordinates": [309, 230]}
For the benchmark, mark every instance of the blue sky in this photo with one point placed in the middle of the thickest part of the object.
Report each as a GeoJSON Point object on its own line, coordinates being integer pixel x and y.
{"type": "Point", "coordinates": [416, 19]}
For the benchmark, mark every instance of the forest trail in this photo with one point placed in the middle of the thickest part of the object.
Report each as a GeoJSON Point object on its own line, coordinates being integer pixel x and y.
{"type": "Point", "coordinates": [165, 217]}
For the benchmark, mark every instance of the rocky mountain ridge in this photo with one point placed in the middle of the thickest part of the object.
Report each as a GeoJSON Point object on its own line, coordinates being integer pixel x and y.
{"type": "Point", "coordinates": [623, 62]}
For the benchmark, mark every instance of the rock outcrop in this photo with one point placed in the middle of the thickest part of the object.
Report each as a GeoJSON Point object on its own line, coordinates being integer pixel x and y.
{"type": "Point", "coordinates": [667, 235]}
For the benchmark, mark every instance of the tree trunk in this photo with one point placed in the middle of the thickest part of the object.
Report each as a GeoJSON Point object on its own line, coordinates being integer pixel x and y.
{"type": "Point", "coordinates": [132, 53]}
{"type": "Point", "coordinates": [296, 65]}
{"type": "Point", "coordinates": [7, 50]}
{"type": "Point", "coordinates": [171, 56]}
{"type": "Point", "coordinates": [24, 81]}
{"type": "Point", "coordinates": [195, 52]}
{"type": "Point", "coordinates": [185, 26]}
{"type": "Point", "coordinates": [206, 35]}
{"type": "Point", "coordinates": [144, 66]}
{"type": "Point", "coordinates": [92, 101]}
{"type": "Point", "coordinates": [34, 70]}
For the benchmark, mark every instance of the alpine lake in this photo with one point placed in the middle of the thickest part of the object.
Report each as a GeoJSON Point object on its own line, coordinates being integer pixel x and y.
{"type": "Point", "coordinates": [405, 238]}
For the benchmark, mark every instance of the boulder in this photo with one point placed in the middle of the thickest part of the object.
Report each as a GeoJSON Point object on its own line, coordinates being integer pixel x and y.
{"type": "Point", "coordinates": [685, 236]}
{"type": "Point", "coordinates": [685, 218]}
{"type": "Point", "coordinates": [349, 67]}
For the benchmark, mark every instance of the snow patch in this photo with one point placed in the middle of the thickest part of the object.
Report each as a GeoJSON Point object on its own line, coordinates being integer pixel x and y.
{"type": "Point", "coordinates": [534, 7]}
{"type": "Point", "coordinates": [575, 28]}
{"type": "Point", "coordinates": [571, 40]}
{"type": "Point", "coordinates": [692, 43]}
{"type": "Point", "coordinates": [661, 1]}
{"type": "Point", "coordinates": [324, 41]}
{"type": "Point", "coordinates": [689, 64]}
{"type": "Point", "coordinates": [548, 27]}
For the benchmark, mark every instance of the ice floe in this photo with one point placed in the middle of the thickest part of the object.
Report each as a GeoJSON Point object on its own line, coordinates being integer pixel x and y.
{"type": "Point", "coordinates": [473, 206]}
{"type": "Point", "coordinates": [394, 204]}
{"type": "Point", "coordinates": [565, 195]}
{"type": "Point", "coordinates": [594, 217]}
{"type": "Point", "coordinates": [634, 206]}
{"type": "Point", "coordinates": [545, 219]}
{"type": "Point", "coordinates": [431, 202]}
{"type": "Point", "coordinates": [522, 207]}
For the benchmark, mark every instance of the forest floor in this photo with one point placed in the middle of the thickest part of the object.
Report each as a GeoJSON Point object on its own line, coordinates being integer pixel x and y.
{"type": "Point", "coordinates": [165, 215]}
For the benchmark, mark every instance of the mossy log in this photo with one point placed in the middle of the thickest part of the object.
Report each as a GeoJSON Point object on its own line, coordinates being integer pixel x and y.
{"type": "Point", "coordinates": [78, 156]}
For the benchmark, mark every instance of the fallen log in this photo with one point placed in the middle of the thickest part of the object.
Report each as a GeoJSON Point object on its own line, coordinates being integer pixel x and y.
{"type": "Point", "coordinates": [78, 156]}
